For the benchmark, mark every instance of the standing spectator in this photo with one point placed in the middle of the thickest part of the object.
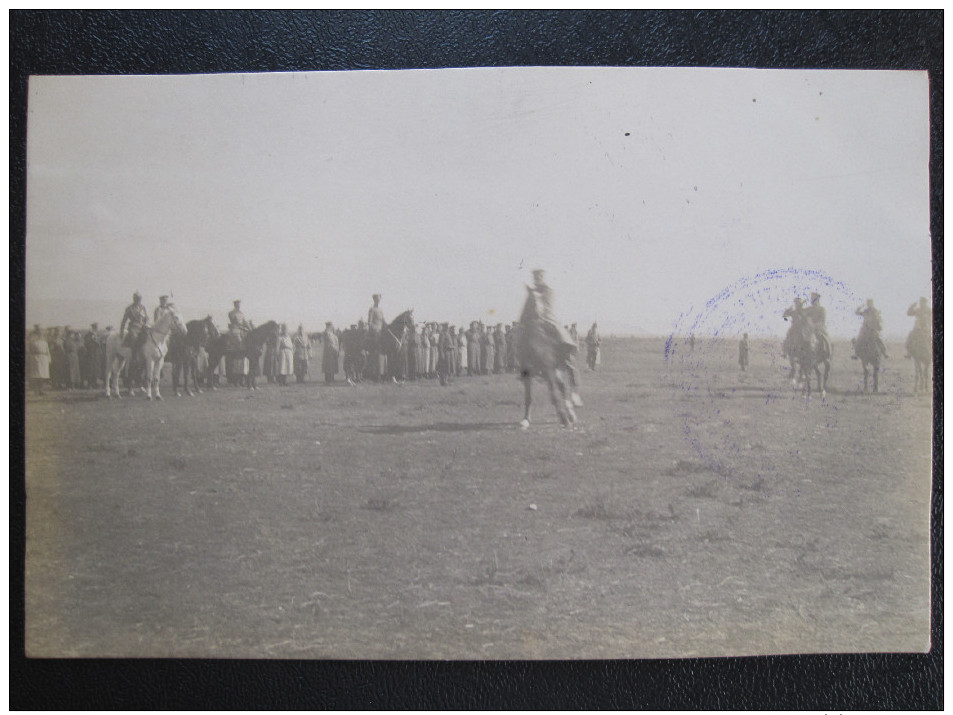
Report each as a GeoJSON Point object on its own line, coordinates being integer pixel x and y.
{"type": "Point", "coordinates": [285, 355]}
{"type": "Point", "coordinates": [331, 351]}
{"type": "Point", "coordinates": [434, 356]}
{"type": "Point", "coordinates": [510, 359]}
{"type": "Point", "coordinates": [461, 351]}
{"type": "Point", "coordinates": [95, 362]}
{"type": "Point", "coordinates": [446, 347]}
{"type": "Point", "coordinates": [73, 344]}
{"type": "Point", "coordinates": [488, 350]}
{"type": "Point", "coordinates": [593, 347]}
{"type": "Point", "coordinates": [499, 354]}
{"type": "Point", "coordinates": [411, 348]}
{"type": "Point", "coordinates": [59, 365]}
{"type": "Point", "coordinates": [473, 350]}
{"type": "Point", "coordinates": [37, 360]}
{"type": "Point", "coordinates": [743, 353]}
{"type": "Point", "coordinates": [302, 354]}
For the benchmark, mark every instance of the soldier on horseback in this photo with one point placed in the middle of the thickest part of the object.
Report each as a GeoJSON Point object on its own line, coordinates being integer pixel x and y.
{"type": "Point", "coordinates": [135, 320]}
{"type": "Point", "coordinates": [236, 319]}
{"type": "Point", "coordinates": [923, 324]}
{"type": "Point", "coordinates": [163, 308]}
{"type": "Point", "coordinates": [544, 302]}
{"type": "Point", "coordinates": [796, 312]}
{"type": "Point", "coordinates": [375, 326]}
{"type": "Point", "coordinates": [818, 316]}
{"type": "Point", "coordinates": [870, 330]}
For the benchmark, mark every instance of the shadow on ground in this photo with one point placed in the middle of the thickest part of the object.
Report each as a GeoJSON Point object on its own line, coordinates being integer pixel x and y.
{"type": "Point", "coordinates": [438, 427]}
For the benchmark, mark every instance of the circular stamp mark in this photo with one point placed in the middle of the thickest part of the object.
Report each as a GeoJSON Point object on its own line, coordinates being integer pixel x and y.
{"type": "Point", "coordinates": [758, 421]}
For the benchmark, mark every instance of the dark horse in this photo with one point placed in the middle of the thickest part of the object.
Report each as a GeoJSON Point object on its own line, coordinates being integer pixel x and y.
{"type": "Point", "coordinates": [249, 346]}
{"type": "Point", "coordinates": [355, 353]}
{"type": "Point", "coordinates": [541, 354]}
{"type": "Point", "coordinates": [184, 352]}
{"type": "Point", "coordinates": [867, 350]}
{"type": "Point", "coordinates": [920, 347]}
{"type": "Point", "coordinates": [391, 343]}
{"type": "Point", "coordinates": [807, 352]}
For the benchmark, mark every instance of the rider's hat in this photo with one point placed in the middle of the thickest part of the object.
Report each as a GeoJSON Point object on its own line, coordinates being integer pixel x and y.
{"type": "Point", "coordinates": [137, 294]}
{"type": "Point", "coordinates": [163, 297]}
{"type": "Point", "coordinates": [798, 300]}
{"type": "Point", "coordinates": [815, 296]}
{"type": "Point", "coordinates": [327, 323]}
{"type": "Point", "coordinates": [236, 301]}
{"type": "Point", "coordinates": [376, 296]}
{"type": "Point", "coordinates": [539, 272]}
{"type": "Point", "coordinates": [870, 302]}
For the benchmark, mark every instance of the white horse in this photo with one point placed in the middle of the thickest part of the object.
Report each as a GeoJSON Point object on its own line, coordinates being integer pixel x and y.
{"type": "Point", "coordinates": [153, 354]}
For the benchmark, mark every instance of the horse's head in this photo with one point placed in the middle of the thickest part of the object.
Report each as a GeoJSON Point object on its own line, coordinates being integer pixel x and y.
{"type": "Point", "coordinates": [211, 330]}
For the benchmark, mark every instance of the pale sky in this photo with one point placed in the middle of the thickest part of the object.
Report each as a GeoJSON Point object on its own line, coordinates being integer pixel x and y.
{"type": "Point", "coordinates": [643, 192]}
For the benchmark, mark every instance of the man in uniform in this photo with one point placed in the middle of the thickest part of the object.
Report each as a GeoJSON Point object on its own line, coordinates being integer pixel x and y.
{"type": "Point", "coordinates": [593, 346]}
{"type": "Point", "coordinates": [236, 319]}
{"type": "Point", "coordinates": [375, 326]}
{"type": "Point", "coordinates": [136, 318]}
{"type": "Point", "coordinates": [544, 302]}
{"type": "Point", "coordinates": [870, 330]}
{"type": "Point", "coordinates": [95, 367]}
{"type": "Point", "coordinates": [132, 329]}
{"type": "Point", "coordinates": [743, 351]}
{"type": "Point", "coordinates": [924, 321]}
{"type": "Point", "coordinates": [164, 308]}
{"type": "Point", "coordinates": [818, 316]}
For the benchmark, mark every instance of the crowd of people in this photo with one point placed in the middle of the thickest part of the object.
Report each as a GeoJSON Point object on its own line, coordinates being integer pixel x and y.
{"type": "Point", "coordinates": [69, 359]}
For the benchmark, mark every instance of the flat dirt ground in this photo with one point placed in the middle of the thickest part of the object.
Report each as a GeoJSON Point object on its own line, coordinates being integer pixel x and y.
{"type": "Point", "coordinates": [695, 511]}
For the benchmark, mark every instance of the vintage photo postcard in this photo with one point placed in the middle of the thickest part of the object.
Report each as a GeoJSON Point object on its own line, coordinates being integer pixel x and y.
{"type": "Point", "coordinates": [513, 363]}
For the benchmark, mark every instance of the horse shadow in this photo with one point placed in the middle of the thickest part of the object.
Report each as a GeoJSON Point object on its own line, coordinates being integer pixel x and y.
{"type": "Point", "coordinates": [437, 427]}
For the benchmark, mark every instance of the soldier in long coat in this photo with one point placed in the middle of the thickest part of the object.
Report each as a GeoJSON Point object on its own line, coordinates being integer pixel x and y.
{"type": "Point", "coordinates": [499, 353]}
{"type": "Point", "coordinates": [302, 354]}
{"type": "Point", "coordinates": [37, 360]}
{"type": "Point", "coordinates": [330, 352]}
{"type": "Point", "coordinates": [285, 355]}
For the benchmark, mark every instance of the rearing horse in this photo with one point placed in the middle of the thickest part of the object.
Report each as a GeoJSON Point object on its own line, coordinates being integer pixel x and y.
{"type": "Point", "coordinates": [807, 352]}
{"type": "Point", "coordinates": [539, 353]}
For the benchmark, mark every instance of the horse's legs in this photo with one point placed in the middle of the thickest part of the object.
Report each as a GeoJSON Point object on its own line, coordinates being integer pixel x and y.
{"type": "Point", "coordinates": [558, 403]}
{"type": "Point", "coordinates": [876, 368]}
{"type": "Point", "coordinates": [864, 364]}
{"type": "Point", "coordinates": [568, 397]}
{"type": "Point", "coordinates": [176, 374]}
{"type": "Point", "coordinates": [156, 377]}
{"type": "Point", "coordinates": [527, 399]}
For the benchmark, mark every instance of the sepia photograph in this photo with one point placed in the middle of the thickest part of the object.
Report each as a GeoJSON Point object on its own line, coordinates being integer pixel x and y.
{"type": "Point", "coordinates": [534, 363]}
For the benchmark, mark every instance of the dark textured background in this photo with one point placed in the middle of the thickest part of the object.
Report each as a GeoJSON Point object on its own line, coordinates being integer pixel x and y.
{"type": "Point", "coordinates": [117, 42]}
